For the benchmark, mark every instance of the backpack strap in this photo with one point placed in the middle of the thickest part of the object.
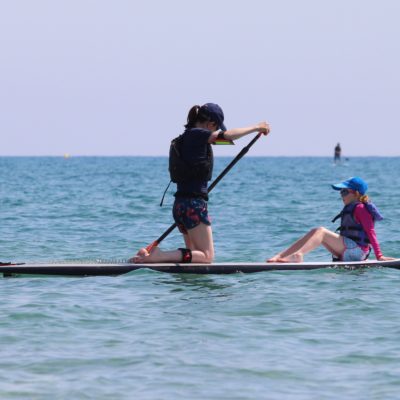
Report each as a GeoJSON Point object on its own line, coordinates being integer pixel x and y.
{"type": "Point", "coordinates": [165, 191]}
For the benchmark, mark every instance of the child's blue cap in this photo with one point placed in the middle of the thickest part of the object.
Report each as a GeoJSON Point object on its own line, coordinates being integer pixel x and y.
{"type": "Point", "coordinates": [354, 183]}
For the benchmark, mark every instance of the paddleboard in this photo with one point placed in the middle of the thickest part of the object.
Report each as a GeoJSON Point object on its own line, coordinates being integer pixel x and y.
{"type": "Point", "coordinates": [119, 268]}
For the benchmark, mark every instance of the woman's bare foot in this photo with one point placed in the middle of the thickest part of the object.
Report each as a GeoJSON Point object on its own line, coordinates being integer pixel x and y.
{"type": "Point", "coordinates": [292, 258]}
{"type": "Point", "coordinates": [143, 256]}
{"type": "Point", "coordinates": [274, 259]}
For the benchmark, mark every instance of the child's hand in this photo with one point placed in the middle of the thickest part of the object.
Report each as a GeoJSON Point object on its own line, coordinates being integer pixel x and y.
{"type": "Point", "coordinates": [384, 258]}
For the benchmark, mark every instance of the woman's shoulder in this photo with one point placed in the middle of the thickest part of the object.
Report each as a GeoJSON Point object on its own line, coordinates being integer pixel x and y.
{"type": "Point", "coordinates": [197, 135]}
{"type": "Point", "coordinates": [197, 131]}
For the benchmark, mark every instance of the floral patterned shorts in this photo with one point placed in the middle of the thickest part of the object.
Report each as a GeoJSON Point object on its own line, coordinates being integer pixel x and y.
{"type": "Point", "coordinates": [189, 212]}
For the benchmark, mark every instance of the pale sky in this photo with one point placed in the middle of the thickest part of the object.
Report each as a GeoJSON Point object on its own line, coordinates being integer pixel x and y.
{"type": "Point", "coordinates": [117, 77]}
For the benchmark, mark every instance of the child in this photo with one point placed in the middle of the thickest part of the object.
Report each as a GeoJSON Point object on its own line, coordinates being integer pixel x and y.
{"type": "Point", "coordinates": [357, 232]}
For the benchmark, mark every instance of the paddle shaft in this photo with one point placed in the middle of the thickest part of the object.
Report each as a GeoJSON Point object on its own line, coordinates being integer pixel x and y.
{"type": "Point", "coordinates": [233, 162]}
{"type": "Point", "coordinates": [211, 187]}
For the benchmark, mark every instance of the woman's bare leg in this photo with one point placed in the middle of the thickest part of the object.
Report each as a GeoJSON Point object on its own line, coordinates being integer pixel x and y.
{"type": "Point", "coordinates": [188, 242]}
{"type": "Point", "coordinates": [202, 244]}
{"type": "Point", "coordinates": [198, 239]}
{"type": "Point", "coordinates": [156, 256]}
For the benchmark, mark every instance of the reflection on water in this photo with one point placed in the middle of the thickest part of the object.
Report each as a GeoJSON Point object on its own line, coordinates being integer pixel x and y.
{"type": "Point", "coordinates": [206, 284]}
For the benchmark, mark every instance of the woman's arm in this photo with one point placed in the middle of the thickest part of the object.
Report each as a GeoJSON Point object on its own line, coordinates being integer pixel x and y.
{"type": "Point", "coordinates": [236, 133]}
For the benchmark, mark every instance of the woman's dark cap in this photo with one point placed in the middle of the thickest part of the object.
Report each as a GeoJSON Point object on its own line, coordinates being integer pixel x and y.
{"type": "Point", "coordinates": [214, 111]}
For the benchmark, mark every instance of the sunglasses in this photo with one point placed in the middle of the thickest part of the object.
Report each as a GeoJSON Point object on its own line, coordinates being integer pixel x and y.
{"type": "Point", "coordinates": [345, 192]}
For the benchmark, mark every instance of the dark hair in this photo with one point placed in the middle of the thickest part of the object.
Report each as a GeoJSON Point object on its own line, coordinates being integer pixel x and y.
{"type": "Point", "coordinates": [196, 114]}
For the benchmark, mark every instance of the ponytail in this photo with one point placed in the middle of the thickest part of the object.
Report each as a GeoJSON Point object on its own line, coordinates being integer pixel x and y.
{"type": "Point", "coordinates": [196, 114]}
{"type": "Point", "coordinates": [192, 117]}
{"type": "Point", "coordinates": [364, 198]}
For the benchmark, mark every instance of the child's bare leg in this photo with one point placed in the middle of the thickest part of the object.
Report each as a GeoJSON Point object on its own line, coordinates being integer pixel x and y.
{"type": "Point", "coordinates": [293, 248]}
{"type": "Point", "coordinates": [315, 238]}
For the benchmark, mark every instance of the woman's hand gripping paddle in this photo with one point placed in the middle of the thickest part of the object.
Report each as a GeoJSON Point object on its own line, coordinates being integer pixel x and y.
{"type": "Point", "coordinates": [245, 149]}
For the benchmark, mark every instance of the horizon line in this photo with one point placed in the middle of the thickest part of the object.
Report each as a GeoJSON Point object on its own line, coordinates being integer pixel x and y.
{"type": "Point", "coordinates": [68, 155]}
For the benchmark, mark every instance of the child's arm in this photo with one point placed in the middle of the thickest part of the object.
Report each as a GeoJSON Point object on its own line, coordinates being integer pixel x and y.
{"type": "Point", "coordinates": [364, 218]}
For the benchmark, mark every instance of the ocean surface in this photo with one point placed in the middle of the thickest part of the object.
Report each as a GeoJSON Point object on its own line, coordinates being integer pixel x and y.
{"type": "Point", "coordinates": [323, 334]}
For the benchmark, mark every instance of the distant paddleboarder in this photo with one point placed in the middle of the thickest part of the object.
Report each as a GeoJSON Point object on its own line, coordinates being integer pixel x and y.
{"type": "Point", "coordinates": [190, 165]}
{"type": "Point", "coordinates": [356, 232]}
{"type": "Point", "coordinates": [338, 153]}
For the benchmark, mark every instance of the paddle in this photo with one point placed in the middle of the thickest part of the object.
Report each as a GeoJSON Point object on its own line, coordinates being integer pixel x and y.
{"type": "Point", "coordinates": [211, 187]}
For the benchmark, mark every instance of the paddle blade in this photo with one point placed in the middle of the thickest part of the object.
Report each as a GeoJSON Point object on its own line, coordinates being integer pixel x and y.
{"type": "Point", "coordinates": [224, 142]}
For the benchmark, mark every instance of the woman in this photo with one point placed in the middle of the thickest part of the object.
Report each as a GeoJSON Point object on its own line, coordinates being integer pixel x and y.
{"type": "Point", "coordinates": [357, 232]}
{"type": "Point", "coordinates": [191, 162]}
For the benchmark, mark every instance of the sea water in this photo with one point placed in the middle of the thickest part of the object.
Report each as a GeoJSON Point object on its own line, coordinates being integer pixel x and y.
{"type": "Point", "coordinates": [323, 334]}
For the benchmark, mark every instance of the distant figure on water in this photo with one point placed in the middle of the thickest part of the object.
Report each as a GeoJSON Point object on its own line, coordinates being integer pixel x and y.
{"type": "Point", "coordinates": [338, 153]}
{"type": "Point", "coordinates": [356, 232]}
{"type": "Point", "coordinates": [190, 165]}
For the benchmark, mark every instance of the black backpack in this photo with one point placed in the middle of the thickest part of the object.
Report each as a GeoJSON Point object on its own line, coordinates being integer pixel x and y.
{"type": "Point", "coordinates": [186, 171]}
